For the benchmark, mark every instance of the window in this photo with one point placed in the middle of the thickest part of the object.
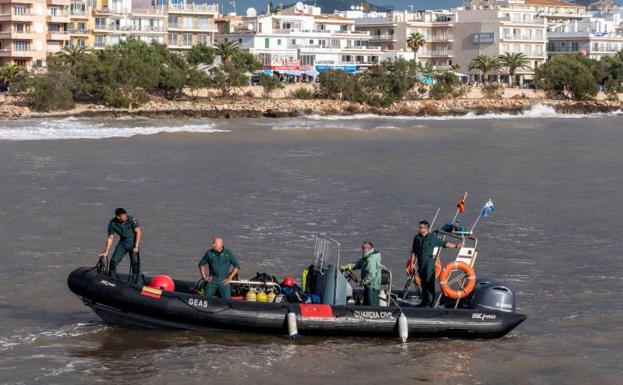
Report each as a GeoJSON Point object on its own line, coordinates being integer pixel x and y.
{"type": "Point", "coordinates": [278, 41]}
{"type": "Point", "coordinates": [173, 39]}
{"type": "Point", "coordinates": [100, 23]}
{"type": "Point", "coordinates": [21, 28]}
{"type": "Point", "coordinates": [347, 58]}
{"type": "Point", "coordinates": [188, 39]}
{"type": "Point", "coordinates": [100, 41]}
{"type": "Point", "coordinates": [359, 59]}
{"type": "Point", "coordinates": [53, 11]}
{"type": "Point", "coordinates": [21, 45]}
{"type": "Point", "coordinates": [539, 34]}
{"type": "Point", "coordinates": [516, 48]}
{"type": "Point", "coordinates": [204, 39]}
{"type": "Point", "coordinates": [266, 43]}
{"type": "Point", "coordinates": [575, 46]}
{"type": "Point", "coordinates": [188, 22]}
{"type": "Point", "coordinates": [506, 32]}
{"type": "Point", "coordinates": [54, 27]}
{"type": "Point", "coordinates": [307, 60]}
{"type": "Point", "coordinates": [293, 42]}
{"type": "Point", "coordinates": [527, 49]}
{"type": "Point", "coordinates": [20, 10]}
{"type": "Point", "coordinates": [173, 22]}
{"type": "Point", "coordinates": [202, 22]}
{"type": "Point", "coordinates": [504, 48]}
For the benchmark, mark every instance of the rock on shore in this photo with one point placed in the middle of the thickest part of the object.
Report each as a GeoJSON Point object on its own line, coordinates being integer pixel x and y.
{"type": "Point", "coordinates": [277, 108]}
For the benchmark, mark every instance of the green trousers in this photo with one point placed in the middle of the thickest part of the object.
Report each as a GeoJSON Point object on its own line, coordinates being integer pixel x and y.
{"type": "Point", "coordinates": [214, 287]}
{"type": "Point", "coordinates": [135, 262]}
{"type": "Point", "coordinates": [371, 296]}
{"type": "Point", "coordinates": [427, 275]}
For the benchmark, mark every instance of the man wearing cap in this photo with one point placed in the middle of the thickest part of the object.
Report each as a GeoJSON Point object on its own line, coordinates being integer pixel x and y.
{"type": "Point", "coordinates": [214, 268]}
{"type": "Point", "coordinates": [129, 232]}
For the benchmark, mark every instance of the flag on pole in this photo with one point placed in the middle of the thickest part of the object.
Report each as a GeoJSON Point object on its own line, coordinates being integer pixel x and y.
{"type": "Point", "coordinates": [460, 207]}
{"type": "Point", "coordinates": [488, 209]}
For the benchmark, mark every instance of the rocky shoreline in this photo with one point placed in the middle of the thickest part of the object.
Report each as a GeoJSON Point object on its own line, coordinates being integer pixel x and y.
{"type": "Point", "coordinates": [245, 107]}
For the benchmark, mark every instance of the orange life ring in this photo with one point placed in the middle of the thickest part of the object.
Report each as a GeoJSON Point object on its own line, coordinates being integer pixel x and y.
{"type": "Point", "coordinates": [469, 286]}
{"type": "Point", "coordinates": [418, 281]}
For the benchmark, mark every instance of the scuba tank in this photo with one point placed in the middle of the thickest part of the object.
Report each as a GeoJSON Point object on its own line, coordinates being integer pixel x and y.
{"type": "Point", "coordinates": [271, 296]}
{"type": "Point", "coordinates": [251, 296]}
{"type": "Point", "coordinates": [261, 297]}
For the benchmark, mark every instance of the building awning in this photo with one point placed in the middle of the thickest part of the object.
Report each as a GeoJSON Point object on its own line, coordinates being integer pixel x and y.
{"type": "Point", "coordinates": [350, 69]}
{"type": "Point", "coordinates": [312, 73]}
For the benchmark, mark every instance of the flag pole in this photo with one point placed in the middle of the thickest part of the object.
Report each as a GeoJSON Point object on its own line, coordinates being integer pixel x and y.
{"type": "Point", "coordinates": [435, 218]}
{"type": "Point", "coordinates": [456, 214]}
{"type": "Point", "coordinates": [479, 216]}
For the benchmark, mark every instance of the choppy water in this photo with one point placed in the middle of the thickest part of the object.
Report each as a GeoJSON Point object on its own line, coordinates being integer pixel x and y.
{"type": "Point", "coordinates": [267, 186]}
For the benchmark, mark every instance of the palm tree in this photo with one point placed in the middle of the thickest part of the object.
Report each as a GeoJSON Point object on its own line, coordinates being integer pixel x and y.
{"type": "Point", "coordinates": [415, 41]}
{"type": "Point", "coordinates": [484, 64]}
{"type": "Point", "coordinates": [513, 62]}
{"type": "Point", "coordinates": [10, 73]}
{"type": "Point", "coordinates": [226, 49]}
{"type": "Point", "coordinates": [455, 67]}
{"type": "Point", "coordinates": [72, 55]}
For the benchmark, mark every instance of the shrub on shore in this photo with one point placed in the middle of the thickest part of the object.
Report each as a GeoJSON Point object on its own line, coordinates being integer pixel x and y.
{"type": "Point", "coordinates": [269, 84]}
{"type": "Point", "coordinates": [302, 93]}
{"type": "Point", "coordinates": [446, 85]}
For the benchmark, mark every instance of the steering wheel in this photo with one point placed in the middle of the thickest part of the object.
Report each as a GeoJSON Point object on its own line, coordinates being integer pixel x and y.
{"type": "Point", "coordinates": [350, 276]}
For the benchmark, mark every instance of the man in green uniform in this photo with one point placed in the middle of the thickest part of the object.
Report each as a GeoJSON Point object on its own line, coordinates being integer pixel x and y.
{"type": "Point", "coordinates": [370, 265]}
{"type": "Point", "coordinates": [214, 268]}
{"type": "Point", "coordinates": [423, 250]}
{"type": "Point", "coordinates": [129, 232]}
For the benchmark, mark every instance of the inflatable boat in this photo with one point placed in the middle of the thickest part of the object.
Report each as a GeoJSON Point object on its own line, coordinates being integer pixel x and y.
{"type": "Point", "coordinates": [487, 312]}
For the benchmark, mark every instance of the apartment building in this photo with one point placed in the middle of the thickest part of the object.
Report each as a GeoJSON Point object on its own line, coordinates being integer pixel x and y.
{"type": "Point", "coordinates": [81, 22]}
{"type": "Point", "coordinates": [190, 24]}
{"type": "Point", "coordinates": [301, 38]}
{"type": "Point", "coordinates": [496, 31]}
{"type": "Point", "coordinates": [595, 35]}
{"type": "Point", "coordinates": [30, 30]}
{"type": "Point", "coordinates": [390, 31]}
{"type": "Point", "coordinates": [117, 20]}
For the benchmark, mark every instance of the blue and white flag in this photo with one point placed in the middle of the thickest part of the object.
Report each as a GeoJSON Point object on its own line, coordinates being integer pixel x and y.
{"type": "Point", "coordinates": [488, 209]}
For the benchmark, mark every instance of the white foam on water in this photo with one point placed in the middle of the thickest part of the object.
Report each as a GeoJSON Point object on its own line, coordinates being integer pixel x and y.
{"type": "Point", "coordinates": [537, 111]}
{"type": "Point", "coordinates": [73, 330]}
{"type": "Point", "coordinates": [74, 128]}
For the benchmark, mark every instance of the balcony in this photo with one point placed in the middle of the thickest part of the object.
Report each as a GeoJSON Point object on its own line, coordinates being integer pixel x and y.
{"type": "Point", "coordinates": [20, 1]}
{"type": "Point", "coordinates": [79, 31]}
{"type": "Point", "coordinates": [57, 35]}
{"type": "Point", "coordinates": [383, 36]}
{"type": "Point", "coordinates": [193, 8]}
{"type": "Point", "coordinates": [508, 20]}
{"type": "Point", "coordinates": [24, 17]}
{"type": "Point", "coordinates": [59, 2]}
{"type": "Point", "coordinates": [59, 17]}
{"type": "Point", "coordinates": [12, 53]}
{"type": "Point", "coordinates": [78, 13]}
{"type": "Point", "coordinates": [195, 28]}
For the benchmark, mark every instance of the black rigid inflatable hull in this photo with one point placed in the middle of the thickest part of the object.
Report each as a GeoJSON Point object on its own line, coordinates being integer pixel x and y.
{"type": "Point", "coordinates": [119, 303]}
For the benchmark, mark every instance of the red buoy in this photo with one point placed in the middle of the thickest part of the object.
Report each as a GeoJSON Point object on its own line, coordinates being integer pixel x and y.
{"type": "Point", "coordinates": [163, 282]}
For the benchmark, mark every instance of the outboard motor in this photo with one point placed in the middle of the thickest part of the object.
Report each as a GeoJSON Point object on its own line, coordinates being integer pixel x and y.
{"type": "Point", "coordinates": [493, 296]}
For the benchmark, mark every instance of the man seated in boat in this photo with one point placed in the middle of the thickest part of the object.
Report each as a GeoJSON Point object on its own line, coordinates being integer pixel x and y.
{"type": "Point", "coordinates": [370, 265]}
{"type": "Point", "coordinates": [214, 268]}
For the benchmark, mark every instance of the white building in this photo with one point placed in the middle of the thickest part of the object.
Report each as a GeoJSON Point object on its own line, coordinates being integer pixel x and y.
{"type": "Point", "coordinates": [390, 31]}
{"type": "Point", "coordinates": [301, 38]}
{"type": "Point", "coordinates": [596, 35]}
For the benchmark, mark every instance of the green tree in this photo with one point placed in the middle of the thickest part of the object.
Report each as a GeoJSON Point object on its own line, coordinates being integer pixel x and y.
{"type": "Point", "coordinates": [196, 81]}
{"type": "Point", "coordinates": [512, 62]}
{"type": "Point", "coordinates": [565, 76]}
{"type": "Point", "coordinates": [415, 41]}
{"type": "Point", "coordinates": [270, 83]}
{"type": "Point", "coordinates": [484, 64]}
{"type": "Point", "coordinates": [226, 49]}
{"type": "Point", "coordinates": [51, 92]}
{"type": "Point", "coordinates": [334, 84]}
{"type": "Point", "coordinates": [72, 55]}
{"type": "Point", "coordinates": [11, 73]}
{"type": "Point", "coordinates": [446, 84]}
{"type": "Point", "coordinates": [228, 77]}
{"type": "Point", "coordinates": [201, 54]}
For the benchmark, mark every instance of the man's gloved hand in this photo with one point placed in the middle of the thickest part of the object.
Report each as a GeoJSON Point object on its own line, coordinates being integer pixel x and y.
{"type": "Point", "coordinates": [345, 267]}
